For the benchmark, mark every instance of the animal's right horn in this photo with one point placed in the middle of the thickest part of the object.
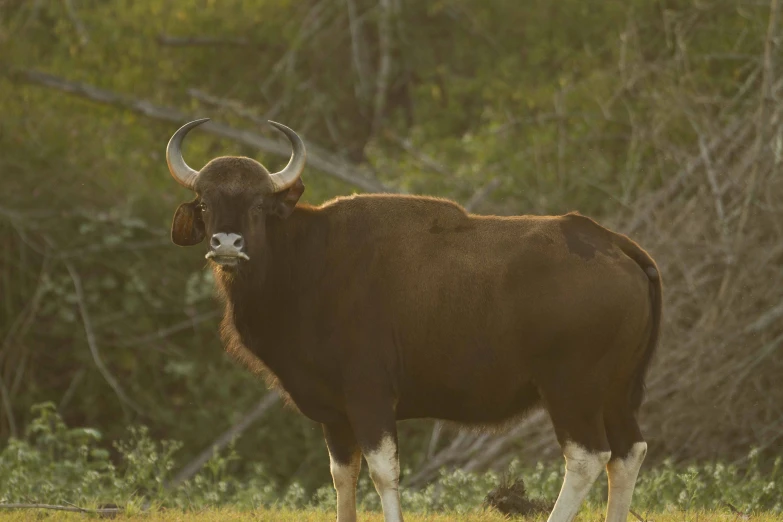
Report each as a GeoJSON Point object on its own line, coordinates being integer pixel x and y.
{"type": "Point", "coordinates": [180, 170]}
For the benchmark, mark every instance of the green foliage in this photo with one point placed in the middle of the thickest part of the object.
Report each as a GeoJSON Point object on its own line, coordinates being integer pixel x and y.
{"type": "Point", "coordinates": [452, 491]}
{"type": "Point", "coordinates": [146, 464]}
{"type": "Point", "coordinates": [569, 104]}
{"type": "Point", "coordinates": [756, 486]}
{"type": "Point", "coordinates": [57, 464]}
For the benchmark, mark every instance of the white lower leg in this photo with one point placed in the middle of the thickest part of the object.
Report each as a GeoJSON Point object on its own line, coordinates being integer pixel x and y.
{"type": "Point", "coordinates": [384, 469]}
{"type": "Point", "coordinates": [344, 477]}
{"type": "Point", "coordinates": [622, 480]}
{"type": "Point", "coordinates": [582, 468]}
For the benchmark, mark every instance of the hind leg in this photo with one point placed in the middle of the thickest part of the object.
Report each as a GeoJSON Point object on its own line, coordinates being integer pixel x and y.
{"type": "Point", "coordinates": [628, 452]}
{"type": "Point", "coordinates": [582, 436]}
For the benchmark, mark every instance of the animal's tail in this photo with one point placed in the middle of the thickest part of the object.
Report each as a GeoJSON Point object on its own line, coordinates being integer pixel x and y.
{"type": "Point", "coordinates": [648, 265]}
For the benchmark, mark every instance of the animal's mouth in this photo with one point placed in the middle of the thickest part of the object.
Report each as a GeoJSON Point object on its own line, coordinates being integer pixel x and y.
{"type": "Point", "coordinates": [227, 260]}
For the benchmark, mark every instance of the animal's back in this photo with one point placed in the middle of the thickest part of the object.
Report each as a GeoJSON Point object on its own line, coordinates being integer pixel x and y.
{"type": "Point", "coordinates": [472, 299]}
{"type": "Point", "coordinates": [434, 249]}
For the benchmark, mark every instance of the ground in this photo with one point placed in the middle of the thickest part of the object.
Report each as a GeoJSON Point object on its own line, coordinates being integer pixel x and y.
{"type": "Point", "coordinates": [229, 515]}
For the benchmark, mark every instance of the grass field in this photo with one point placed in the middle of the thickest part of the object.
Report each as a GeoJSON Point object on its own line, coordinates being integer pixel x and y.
{"type": "Point", "coordinates": [229, 515]}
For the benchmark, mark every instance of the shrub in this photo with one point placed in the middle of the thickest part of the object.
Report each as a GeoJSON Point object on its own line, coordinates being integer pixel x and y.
{"type": "Point", "coordinates": [57, 464]}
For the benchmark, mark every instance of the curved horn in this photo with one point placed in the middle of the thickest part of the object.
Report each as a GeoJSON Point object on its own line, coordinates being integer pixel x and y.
{"type": "Point", "coordinates": [184, 175]}
{"type": "Point", "coordinates": [291, 172]}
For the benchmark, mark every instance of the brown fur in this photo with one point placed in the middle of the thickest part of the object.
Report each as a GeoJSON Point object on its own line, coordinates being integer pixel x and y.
{"type": "Point", "coordinates": [373, 308]}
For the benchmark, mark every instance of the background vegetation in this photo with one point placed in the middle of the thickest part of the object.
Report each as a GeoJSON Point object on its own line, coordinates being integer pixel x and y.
{"type": "Point", "coordinates": [661, 118]}
{"type": "Point", "coordinates": [69, 466]}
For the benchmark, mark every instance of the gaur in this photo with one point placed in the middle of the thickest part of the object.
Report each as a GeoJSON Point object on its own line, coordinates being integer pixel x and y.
{"type": "Point", "coordinates": [374, 308]}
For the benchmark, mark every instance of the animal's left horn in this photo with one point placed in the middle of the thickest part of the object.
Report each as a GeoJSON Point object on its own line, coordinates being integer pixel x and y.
{"type": "Point", "coordinates": [291, 172]}
{"type": "Point", "coordinates": [184, 175]}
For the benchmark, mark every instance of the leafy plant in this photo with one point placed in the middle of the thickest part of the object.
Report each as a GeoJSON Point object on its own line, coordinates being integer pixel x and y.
{"type": "Point", "coordinates": [57, 464]}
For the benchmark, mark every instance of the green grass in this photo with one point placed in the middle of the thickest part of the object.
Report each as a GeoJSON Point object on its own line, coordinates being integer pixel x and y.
{"type": "Point", "coordinates": [227, 514]}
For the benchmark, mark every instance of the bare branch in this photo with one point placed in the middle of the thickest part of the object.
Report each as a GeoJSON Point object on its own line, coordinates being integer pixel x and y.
{"type": "Point", "coordinates": [270, 399]}
{"type": "Point", "coordinates": [129, 245]}
{"type": "Point", "coordinates": [732, 136]}
{"type": "Point", "coordinates": [24, 321]}
{"type": "Point", "coordinates": [69, 392]}
{"type": "Point", "coordinates": [313, 21]}
{"type": "Point", "coordinates": [736, 511]}
{"type": "Point", "coordinates": [726, 56]}
{"type": "Point", "coordinates": [762, 353]}
{"type": "Point", "coordinates": [384, 64]}
{"type": "Point", "coordinates": [425, 159]}
{"type": "Point", "coordinates": [481, 194]}
{"type": "Point", "coordinates": [470, 24]}
{"type": "Point", "coordinates": [9, 412]}
{"type": "Point", "coordinates": [562, 134]}
{"type": "Point", "coordinates": [713, 181]}
{"type": "Point", "coordinates": [495, 448]}
{"type": "Point", "coordinates": [359, 50]}
{"type": "Point", "coordinates": [20, 326]}
{"type": "Point", "coordinates": [34, 12]}
{"type": "Point", "coordinates": [84, 36]}
{"type": "Point", "coordinates": [749, 82]}
{"type": "Point", "coordinates": [639, 518]}
{"type": "Point", "coordinates": [437, 429]}
{"type": "Point", "coordinates": [471, 452]}
{"type": "Point", "coordinates": [200, 41]}
{"type": "Point", "coordinates": [235, 106]}
{"type": "Point", "coordinates": [92, 343]}
{"type": "Point", "coordinates": [767, 88]}
{"type": "Point", "coordinates": [165, 332]}
{"type": "Point", "coordinates": [762, 130]}
{"type": "Point", "coordinates": [317, 157]}
{"type": "Point", "coordinates": [443, 458]}
{"type": "Point", "coordinates": [74, 509]}
{"type": "Point", "coordinates": [766, 319]}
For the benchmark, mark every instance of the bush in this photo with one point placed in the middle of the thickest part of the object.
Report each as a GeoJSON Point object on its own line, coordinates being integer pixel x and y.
{"type": "Point", "coordinates": [57, 464]}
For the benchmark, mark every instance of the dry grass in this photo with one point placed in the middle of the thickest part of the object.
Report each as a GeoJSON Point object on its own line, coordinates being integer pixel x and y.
{"type": "Point", "coordinates": [228, 515]}
{"type": "Point", "coordinates": [716, 231]}
{"type": "Point", "coordinates": [586, 515]}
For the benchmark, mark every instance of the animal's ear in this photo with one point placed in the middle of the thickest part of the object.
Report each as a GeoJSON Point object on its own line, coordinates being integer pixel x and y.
{"type": "Point", "coordinates": [187, 228]}
{"type": "Point", "coordinates": [286, 201]}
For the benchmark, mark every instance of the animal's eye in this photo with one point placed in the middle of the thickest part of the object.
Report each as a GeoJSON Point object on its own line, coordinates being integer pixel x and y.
{"type": "Point", "coordinates": [203, 207]}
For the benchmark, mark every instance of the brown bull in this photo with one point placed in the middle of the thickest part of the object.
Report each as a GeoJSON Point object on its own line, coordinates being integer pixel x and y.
{"type": "Point", "coordinates": [375, 308]}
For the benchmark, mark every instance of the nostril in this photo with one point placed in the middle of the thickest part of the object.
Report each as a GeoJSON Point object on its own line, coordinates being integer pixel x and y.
{"type": "Point", "coordinates": [239, 242]}
{"type": "Point", "coordinates": [214, 242]}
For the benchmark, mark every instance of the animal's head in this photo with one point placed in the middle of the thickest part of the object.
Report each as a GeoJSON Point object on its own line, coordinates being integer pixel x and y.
{"type": "Point", "coordinates": [235, 196]}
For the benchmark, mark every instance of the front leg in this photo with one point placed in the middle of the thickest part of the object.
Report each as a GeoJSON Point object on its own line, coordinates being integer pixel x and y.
{"type": "Point", "coordinates": [345, 462]}
{"type": "Point", "coordinates": [375, 427]}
